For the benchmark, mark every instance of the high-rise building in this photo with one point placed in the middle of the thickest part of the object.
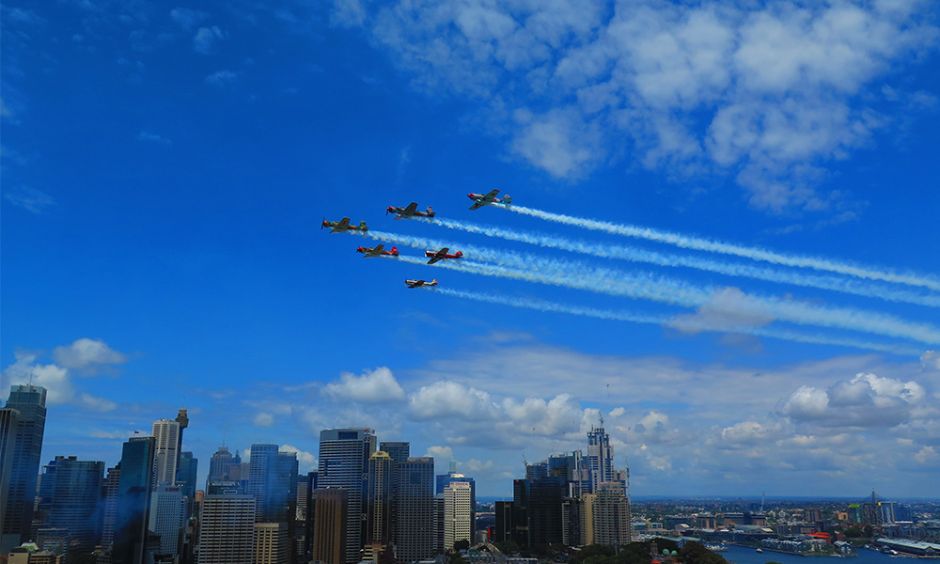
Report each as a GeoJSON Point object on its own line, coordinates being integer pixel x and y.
{"type": "Point", "coordinates": [379, 499]}
{"type": "Point", "coordinates": [227, 529]}
{"type": "Point", "coordinates": [8, 419]}
{"type": "Point", "coordinates": [587, 518]}
{"type": "Point", "coordinates": [186, 478]}
{"type": "Point", "coordinates": [273, 483]}
{"type": "Point", "coordinates": [457, 514]}
{"type": "Point", "coordinates": [611, 512]}
{"type": "Point", "coordinates": [271, 543]}
{"type": "Point", "coordinates": [168, 518]}
{"type": "Point", "coordinates": [313, 482]}
{"type": "Point", "coordinates": [220, 465]}
{"type": "Point", "coordinates": [599, 461]}
{"type": "Point", "coordinates": [399, 451]}
{"type": "Point", "coordinates": [443, 480]}
{"type": "Point", "coordinates": [503, 529]}
{"type": "Point", "coordinates": [344, 458]}
{"type": "Point", "coordinates": [415, 533]}
{"type": "Point", "coordinates": [69, 497]}
{"type": "Point", "coordinates": [30, 401]}
{"type": "Point", "coordinates": [110, 498]}
{"type": "Point", "coordinates": [330, 523]}
{"type": "Point", "coordinates": [544, 498]}
{"type": "Point", "coordinates": [167, 436]}
{"type": "Point", "coordinates": [135, 486]}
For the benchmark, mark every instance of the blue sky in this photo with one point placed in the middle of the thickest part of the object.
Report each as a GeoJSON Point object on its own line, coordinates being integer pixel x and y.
{"type": "Point", "coordinates": [166, 168]}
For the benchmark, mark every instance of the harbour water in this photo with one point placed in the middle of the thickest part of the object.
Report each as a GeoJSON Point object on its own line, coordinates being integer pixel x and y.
{"type": "Point", "coordinates": [741, 555]}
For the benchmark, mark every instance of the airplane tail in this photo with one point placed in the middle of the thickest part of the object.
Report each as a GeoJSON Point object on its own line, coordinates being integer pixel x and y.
{"type": "Point", "coordinates": [363, 226]}
{"type": "Point", "coordinates": [395, 251]}
{"type": "Point", "coordinates": [430, 212]}
{"type": "Point", "coordinates": [434, 282]}
{"type": "Point", "coordinates": [507, 199]}
{"type": "Point", "coordinates": [458, 254]}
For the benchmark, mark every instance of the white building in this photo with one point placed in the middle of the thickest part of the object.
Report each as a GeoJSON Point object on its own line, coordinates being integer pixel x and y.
{"type": "Point", "coordinates": [166, 453]}
{"type": "Point", "coordinates": [458, 513]}
{"type": "Point", "coordinates": [271, 543]}
{"type": "Point", "coordinates": [167, 516]}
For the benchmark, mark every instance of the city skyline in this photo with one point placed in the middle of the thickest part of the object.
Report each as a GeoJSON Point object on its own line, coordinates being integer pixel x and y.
{"type": "Point", "coordinates": [720, 238]}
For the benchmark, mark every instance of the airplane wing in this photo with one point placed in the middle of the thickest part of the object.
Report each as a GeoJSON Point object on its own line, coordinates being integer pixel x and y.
{"type": "Point", "coordinates": [410, 210]}
{"type": "Point", "coordinates": [438, 255]}
{"type": "Point", "coordinates": [342, 225]}
{"type": "Point", "coordinates": [478, 204]}
{"type": "Point", "coordinates": [375, 251]}
{"type": "Point", "coordinates": [491, 195]}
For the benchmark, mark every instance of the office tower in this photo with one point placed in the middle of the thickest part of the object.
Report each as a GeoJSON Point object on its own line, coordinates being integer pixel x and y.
{"type": "Point", "coordinates": [344, 458]}
{"type": "Point", "coordinates": [571, 521]}
{"type": "Point", "coordinates": [272, 480]}
{"type": "Point", "coordinates": [520, 512]}
{"type": "Point", "coordinates": [611, 511]}
{"type": "Point", "coordinates": [587, 519]}
{"type": "Point", "coordinates": [30, 402]}
{"type": "Point", "coordinates": [135, 487]}
{"type": "Point", "coordinates": [399, 451]}
{"type": "Point", "coordinates": [168, 518]}
{"type": "Point", "coordinates": [227, 529]}
{"type": "Point", "coordinates": [536, 471]}
{"type": "Point", "coordinates": [186, 477]}
{"type": "Point", "coordinates": [543, 500]}
{"type": "Point", "coordinates": [110, 496]}
{"type": "Point", "coordinates": [69, 497]}
{"type": "Point", "coordinates": [378, 499]}
{"type": "Point", "coordinates": [414, 510]}
{"type": "Point", "coordinates": [439, 546]}
{"type": "Point", "coordinates": [220, 465]}
{"type": "Point", "coordinates": [599, 461]}
{"type": "Point", "coordinates": [166, 433]}
{"type": "Point", "coordinates": [503, 529]}
{"type": "Point", "coordinates": [331, 506]}
{"type": "Point", "coordinates": [571, 467]}
{"type": "Point", "coordinates": [443, 480]}
{"type": "Point", "coordinates": [457, 514]}
{"type": "Point", "coordinates": [271, 543]}
{"type": "Point", "coordinates": [8, 419]}
{"type": "Point", "coordinates": [313, 483]}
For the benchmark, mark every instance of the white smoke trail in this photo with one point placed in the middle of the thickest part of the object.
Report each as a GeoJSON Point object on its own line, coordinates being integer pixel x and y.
{"type": "Point", "coordinates": [832, 283]}
{"type": "Point", "coordinates": [666, 290]}
{"type": "Point", "coordinates": [555, 307]}
{"type": "Point", "coordinates": [753, 253]}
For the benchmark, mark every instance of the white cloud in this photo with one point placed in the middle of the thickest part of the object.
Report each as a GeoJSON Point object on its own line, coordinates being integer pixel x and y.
{"type": "Point", "coordinates": [443, 453]}
{"type": "Point", "coordinates": [30, 199]}
{"type": "Point", "coordinates": [379, 385]}
{"type": "Point", "coordinates": [205, 39]}
{"type": "Point", "coordinates": [769, 93]}
{"type": "Point", "coordinates": [151, 137]}
{"type": "Point", "coordinates": [926, 455]}
{"type": "Point", "coordinates": [187, 18]}
{"type": "Point", "coordinates": [930, 361]}
{"type": "Point", "coordinates": [56, 380]}
{"type": "Point", "coordinates": [221, 78]}
{"type": "Point", "coordinates": [729, 309]}
{"type": "Point", "coordinates": [749, 432]}
{"type": "Point", "coordinates": [306, 460]}
{"type": "Point", "coordinates": [867, 400]}
{"type": "Point", "coordinates": [87, 354]}
{"type": "Point", "coordinates": [448, 399]}
{"type": "Point", "coordinates": [263, 419]}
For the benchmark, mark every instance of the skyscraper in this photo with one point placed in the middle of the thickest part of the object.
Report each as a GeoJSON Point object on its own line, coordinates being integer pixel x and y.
{"type": "Point", "coordinates": [457, 514]}
{"type": "Point", "coordinates": [600, 460]}
{"type": "Point", "coordinates": [399, 451]}
{"type": "Point", "coordinates": [379, 499]}
{"type": "Point", "coordinates": [220, 465]}
{"type": "Point", "coordinates": [186, 479]}
{"type": "Point", "coordinates": [271, 543]}
{"type": "Point", "coordinates": [344, 457]}
{"type": "Point", "coordinates": [272, 480]}
{"type": "Point", "coordinates": [135, 487]}
{"type": "Point", "coordinates": [69, 498]}
{"type": "Point", "coordinates": [414, 510]}
{"type": "Point", "coordinates": [8, 419]}
{"type": "Point", "coordinates": [30, 402]}
{"type": "Point", "coordinates": [611, 515]}
{"type": "Point", "coordinates": [111, 496]}
{"type": "Point", "coordinates": [330, 523]}
{"type": "Point", "coordinates": [443, 480]}
{"type": "Point", "coordinates": [167, 434]}
{"type": "Point", "coordinates": [227, 529]}
{"type": "Point", "coordinates": [168, 518]}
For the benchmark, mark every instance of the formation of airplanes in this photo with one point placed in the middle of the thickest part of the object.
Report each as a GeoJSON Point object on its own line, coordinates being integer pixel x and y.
{"type": "Point", "coordinates": [411, 211]}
